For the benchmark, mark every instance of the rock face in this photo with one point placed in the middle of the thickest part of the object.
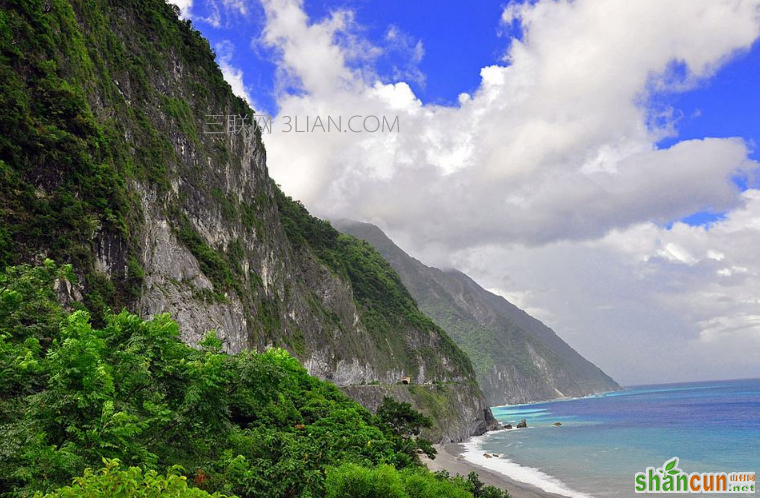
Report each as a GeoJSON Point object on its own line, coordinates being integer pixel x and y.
{"type": "Point", "coordinates": [517, 358]}
{"type": "Point", "coordinates": [199, 231]}
{"type": "Point", "coordinates": [455, 416]}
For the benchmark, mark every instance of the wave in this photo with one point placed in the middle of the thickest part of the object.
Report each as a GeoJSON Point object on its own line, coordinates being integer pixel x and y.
{"type": "Point", "coordinates": [511, 410]}
{"type": "Point", "coordinates": [473, 453]}
{"type": "Point", "coordinates": [604, 394]}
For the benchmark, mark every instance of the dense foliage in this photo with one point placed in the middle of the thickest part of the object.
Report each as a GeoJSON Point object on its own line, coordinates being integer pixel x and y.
{"type": "Point", "coordinates": [375, 284]}
{"type": "Point", "coordinates": [134, 482]}
{"type": "Point", "coordinates": [499, 342]}
{"type": "Point", "coordinates": [250, 424]}
{"type": "Point", "coordinates": [352, 481]}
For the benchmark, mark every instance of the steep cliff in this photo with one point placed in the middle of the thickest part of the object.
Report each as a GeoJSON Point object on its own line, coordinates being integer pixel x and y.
{"type": "Point", "coordinates": [105, 163]}
{"type": "Point", "coordinates": [517, 358]}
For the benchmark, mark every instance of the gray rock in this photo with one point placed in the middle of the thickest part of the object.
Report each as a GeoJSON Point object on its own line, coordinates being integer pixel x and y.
{"type": "Point", "coordinates": [218, 189]}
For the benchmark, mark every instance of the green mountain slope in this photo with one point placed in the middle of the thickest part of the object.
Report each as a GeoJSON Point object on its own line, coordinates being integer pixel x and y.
{"type": "Point", "coordinates": [517, 358]}
{"type": "Point", "coordinates": [105, 164]}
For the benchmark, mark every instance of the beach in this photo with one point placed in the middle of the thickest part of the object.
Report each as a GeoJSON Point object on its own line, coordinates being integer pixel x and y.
{"type": "Point", "coordinates": [450, 458]}
{"type": "Point", "coordinates": [603, 441]}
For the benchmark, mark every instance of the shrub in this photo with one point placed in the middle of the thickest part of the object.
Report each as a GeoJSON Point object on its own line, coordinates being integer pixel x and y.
{"type": "Point", "coordinates": [352, 481]}
{"type": "Point", "coordinates": [113, 482]}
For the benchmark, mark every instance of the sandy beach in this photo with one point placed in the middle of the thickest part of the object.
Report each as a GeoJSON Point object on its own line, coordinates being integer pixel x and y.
{"type": "Point", "coordinates": [450, 458]}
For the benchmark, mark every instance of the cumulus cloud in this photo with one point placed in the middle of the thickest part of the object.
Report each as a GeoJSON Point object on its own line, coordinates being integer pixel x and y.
{"type": "Point", "coordinates": [184, 7]}
{"type": "Point", "coordinates": [711, 273]}
{"type": "Point", "coordinates": [547, 182]}
{"type": "Point", "coordinates": [558, 143]}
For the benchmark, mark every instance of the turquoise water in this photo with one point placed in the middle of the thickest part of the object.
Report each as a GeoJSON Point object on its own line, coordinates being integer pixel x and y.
{"type": "Point", "coordinates": [605, 440]}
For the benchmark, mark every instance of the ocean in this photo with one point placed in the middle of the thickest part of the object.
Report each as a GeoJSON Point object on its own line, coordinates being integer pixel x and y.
{"type": "Point", "coordinates": [605, 440]}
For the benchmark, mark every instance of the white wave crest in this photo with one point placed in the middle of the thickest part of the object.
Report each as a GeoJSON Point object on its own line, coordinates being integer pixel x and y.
{"type": "Point", "coordinates": [474, 454]}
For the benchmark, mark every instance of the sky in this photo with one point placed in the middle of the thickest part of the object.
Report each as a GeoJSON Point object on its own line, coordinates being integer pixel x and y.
{"type": "Point", "coordinates": [593, 161]}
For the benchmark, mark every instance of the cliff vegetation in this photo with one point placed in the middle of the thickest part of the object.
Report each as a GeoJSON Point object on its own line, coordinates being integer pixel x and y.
{"type": "Point", "coordinates": [159, 418]}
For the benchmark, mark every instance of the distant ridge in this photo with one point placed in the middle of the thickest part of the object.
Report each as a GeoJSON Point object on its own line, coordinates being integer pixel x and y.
{"type": "Point", "coordinates": [517, 358]}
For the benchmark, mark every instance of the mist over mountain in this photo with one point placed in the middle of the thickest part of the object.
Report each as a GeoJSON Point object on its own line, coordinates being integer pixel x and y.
{"type": "Point", "coordinates": [517, 358]}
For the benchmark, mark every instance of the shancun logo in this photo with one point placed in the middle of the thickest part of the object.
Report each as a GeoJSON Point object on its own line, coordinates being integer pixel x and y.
{"type": "Point", "coordinates": [670, 479]}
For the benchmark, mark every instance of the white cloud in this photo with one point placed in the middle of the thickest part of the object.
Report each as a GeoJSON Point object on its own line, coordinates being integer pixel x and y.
{"type": "Point", "coordinates": [648, 304]}
{"type": "Point", "coordinates": [408, 52]}
{"type": "Point", "coordinates": [555, 145]}
{"type": "Point", "coordinates": [713, 279]}
{"type": "Point", "coordinates": [232, 74]}
{"type": "Point", "coordinates": [184, 7]}
{"type": "Point", "coordinates": [549, 172]}
{"type": "Point", "coordinates": [523, 300]}
{"type": "Point", "coordinates": [228, 8]}
{"type": "Point", "coordinates": [239, 6]}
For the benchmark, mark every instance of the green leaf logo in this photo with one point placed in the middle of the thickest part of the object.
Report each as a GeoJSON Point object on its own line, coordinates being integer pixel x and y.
{"type": "Point", "coordinates": [670, 465]}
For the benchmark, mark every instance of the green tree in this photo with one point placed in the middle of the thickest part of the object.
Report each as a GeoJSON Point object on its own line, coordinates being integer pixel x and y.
{"type": "Point", "coordinates": [405, 424]}
{"type": "Point", "coordinates": [480, 490]}
{"type": "Point", "coordinates": [401, 418]}
{"type": "Point", "coordinates": [113, 482]}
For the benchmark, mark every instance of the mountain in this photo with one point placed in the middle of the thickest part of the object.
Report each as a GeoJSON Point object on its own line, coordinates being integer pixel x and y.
{"type": "Point", "coordinates": [107, 163]}
{"type": "Point", "coordinates": [517, 358]}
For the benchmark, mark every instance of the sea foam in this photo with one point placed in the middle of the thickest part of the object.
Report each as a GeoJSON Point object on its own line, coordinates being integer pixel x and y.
{"type": "Point", "coordinates": [473, 453]}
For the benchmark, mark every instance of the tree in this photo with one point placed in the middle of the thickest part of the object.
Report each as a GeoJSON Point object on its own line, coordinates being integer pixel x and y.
{"type": "Point", "coordinates": [114, 482]}
{"type": "Point", "coordinates": [401, 418]}
{"type": "Point", "coordinates": [74, 394]}
{"type": "Point", "coordinates": [480, 490]}
{"type": "Point", "coordinates": [405, 424]}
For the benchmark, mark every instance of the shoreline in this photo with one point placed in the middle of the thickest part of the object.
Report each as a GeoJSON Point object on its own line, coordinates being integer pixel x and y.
{"type": "Point", "coordinates": [450, 459]}
{"type": "Point", "coordinates": [573, 398]}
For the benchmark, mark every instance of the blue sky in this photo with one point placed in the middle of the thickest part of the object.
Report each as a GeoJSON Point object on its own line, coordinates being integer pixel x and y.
{"type": "Point", "coordinates": [727, 105]}
{"type": "Point", "coordinates": [459, 40]}
{"type": "Point", "coordinates": [551, 183]}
